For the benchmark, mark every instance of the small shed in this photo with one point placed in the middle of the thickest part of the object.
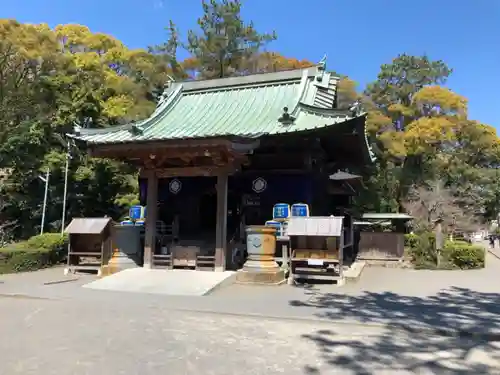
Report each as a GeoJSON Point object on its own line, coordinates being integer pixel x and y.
{"type": "Point", "coordinates": [90, 244]}
{"type": "Point", "coordinates": [381, 236]}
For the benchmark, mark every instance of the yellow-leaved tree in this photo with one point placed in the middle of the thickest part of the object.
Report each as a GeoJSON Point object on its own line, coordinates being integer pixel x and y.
{"type": "Point", "coordinates": [50, 79]}
{"type": "Point", "coordinates": [423, 137]}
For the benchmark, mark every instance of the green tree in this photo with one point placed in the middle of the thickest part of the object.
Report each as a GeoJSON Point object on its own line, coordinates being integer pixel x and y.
{"type": "Point", "coordinates": [166, 53]}
{"type": "Point", "coordinates": [103, 80]}
{"type": "Point", "coordinates": [225, 44]}
{"type": "Point", "coordinates": [396, 119]}
{"type": "Point", "coordinates": [422, 134]}
{"type": "Point", "coordinates": [392, 93]}
{"type": "Point", "coordinates": [54, 78]}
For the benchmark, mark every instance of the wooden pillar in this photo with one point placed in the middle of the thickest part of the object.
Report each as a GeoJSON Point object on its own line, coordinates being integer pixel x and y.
{"type": "Point", "coordinates": [151, 215]}
{"type": "Point", "coordinates": [221, 228]}
{"type": "Point", "coordinates": [309, 177]}
{"type": "Point", "coordinates": [351, 235]}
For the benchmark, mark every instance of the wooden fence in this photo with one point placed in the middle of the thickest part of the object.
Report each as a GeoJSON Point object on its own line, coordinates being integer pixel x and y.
{"type": "Point", "coordinates": [380, 245]}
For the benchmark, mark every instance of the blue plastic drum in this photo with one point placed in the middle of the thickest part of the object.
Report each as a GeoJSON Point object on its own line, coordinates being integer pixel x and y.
{"type": "Point", "coordinates": [281, 211]}
{"type": "Point", "coordinates": [136, 212]}
{"type": "Point", "coordinates": [300, 210]}
{"type": "Point", "coordinates": [278, 225]}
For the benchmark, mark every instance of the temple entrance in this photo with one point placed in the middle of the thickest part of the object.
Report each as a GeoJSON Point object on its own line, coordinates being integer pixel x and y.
{"type": "Point", "coordinates": [208, 212]}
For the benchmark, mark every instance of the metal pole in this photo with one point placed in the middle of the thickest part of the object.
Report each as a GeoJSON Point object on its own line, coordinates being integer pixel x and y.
{"type": "Point", "coordinates": [65, 190]}
{"type": "Point", "coordinates": [45, 199]}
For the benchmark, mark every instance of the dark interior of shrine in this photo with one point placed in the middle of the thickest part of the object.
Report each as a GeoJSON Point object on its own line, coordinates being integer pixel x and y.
{"type": "Point", "coordinates": [250, 201]}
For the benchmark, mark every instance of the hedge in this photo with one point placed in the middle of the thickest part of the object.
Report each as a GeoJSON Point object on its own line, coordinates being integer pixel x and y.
{"type": "Point", "coordinates": [455, 254]}
{"type": "Point", "coordinates": [464, 255]}
{"type": "Point", "coordinates": [38, 252]}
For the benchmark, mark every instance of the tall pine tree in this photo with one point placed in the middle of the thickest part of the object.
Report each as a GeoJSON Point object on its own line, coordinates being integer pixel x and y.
{"type": "Point", "coordinates": [225, 43]}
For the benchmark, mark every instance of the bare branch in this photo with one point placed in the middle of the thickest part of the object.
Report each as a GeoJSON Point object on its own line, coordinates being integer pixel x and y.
{"type": "Point", "coordinates": [435, 201]}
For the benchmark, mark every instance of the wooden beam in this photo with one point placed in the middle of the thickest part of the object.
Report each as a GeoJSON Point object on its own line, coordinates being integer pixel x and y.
{"type": "Point", "coordinates": [151, 215]}
{"type": "Point", "coordinates": [180, 157]}
{"type": "Point", "coordinates": [184, 171]}
{"type": "Point", "coordinates": [157, 146]}
{"type": "Point", "coordinates": [272, 169]}
{"type": "Point", "coordinates": [160, 153]}
{"type": "Point", "coordinates": [191, 171]}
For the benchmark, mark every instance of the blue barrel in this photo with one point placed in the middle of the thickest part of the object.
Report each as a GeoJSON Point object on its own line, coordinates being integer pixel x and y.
{"type": "Point", "coordinates": [136, 212]}
{"type": "Point", "coordinates": [284, 228]}
{"type": "Point", "coordinates": [278, 225]}
{"type": "Point", "coordinates": [281, 211]}
{"type": "Point", "coordinates": [143, 212]}
{"type": "Point", "coordinates": [274, 224]}
{"type": "Point", "coordinates": [127, 222]}
{"type": "Point", "coordinates": [300, 210]}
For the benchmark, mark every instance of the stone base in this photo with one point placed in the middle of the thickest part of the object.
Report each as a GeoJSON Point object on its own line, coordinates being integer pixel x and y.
{"type": "Point", "coordinates": [276, 277]}
{"type": "Point", "coordinates": [106, 271]}
{"type": "Point", "coordinates": [119, 261]}
{"type": "Point", "coordinates": [111, 269]}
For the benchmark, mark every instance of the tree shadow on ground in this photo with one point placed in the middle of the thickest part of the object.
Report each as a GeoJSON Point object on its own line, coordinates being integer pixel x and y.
{"type": "Point", "coordinates": [456, 331]}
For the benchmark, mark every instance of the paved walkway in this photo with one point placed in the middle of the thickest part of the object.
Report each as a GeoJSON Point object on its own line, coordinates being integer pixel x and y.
{"type": "Point", "coordinates": [444, 299]}
{"type": "Point", "coordinates": [173, 283]}
{"type": "Point", "coordinates": [45, 337]}
{"type": "Point", "coordinates": [386, 321]}
{"type": "Point", "coordinates": [467, 300]}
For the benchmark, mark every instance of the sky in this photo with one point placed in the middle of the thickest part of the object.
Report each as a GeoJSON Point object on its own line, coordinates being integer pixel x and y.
{"type": "Point", "coordinates": [357, 36]}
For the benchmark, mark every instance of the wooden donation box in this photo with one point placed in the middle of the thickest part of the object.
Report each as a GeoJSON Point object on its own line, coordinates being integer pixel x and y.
{"type": "Point", "coordinates": [90, 244]}
{"type": "Point", "coordinates": [317, 247]}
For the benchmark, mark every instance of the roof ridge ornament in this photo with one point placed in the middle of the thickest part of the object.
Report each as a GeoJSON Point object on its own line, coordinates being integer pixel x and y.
{"type": "Point", "coordinates": [77, 129]}
{"type": "Point", "coordinates": [136, 129]}
{"type": "Point", "coordinates": [164, 95]}
{"type": "Point", "coordinates": [321, 69]}
{"type": "Point", "coordinates": [286, 118]}
{"type": "Point", "coordinates": [86, 123]}
{"type": "Point", "coordinates": [356, 108]}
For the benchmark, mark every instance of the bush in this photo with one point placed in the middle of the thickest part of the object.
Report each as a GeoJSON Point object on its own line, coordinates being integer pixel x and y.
{"type": "Point", "coordinates": [422, 249]}
{"type": "Point", "coordinates": [464, 255]}
{"type": "Point", "coordinates": [455, 254]}
{"type": "Point", "coordinates": [411, 240]}
{"type": "Point", "coordinates": [38, 252]}
{"type": "Point", "coordinates": [53, 242]}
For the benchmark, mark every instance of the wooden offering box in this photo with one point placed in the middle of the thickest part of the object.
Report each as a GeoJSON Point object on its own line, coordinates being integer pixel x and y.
{"type": "Point", "coordinates": [90, 244]}
{"type": "Point", "coordinates": [317, 244]}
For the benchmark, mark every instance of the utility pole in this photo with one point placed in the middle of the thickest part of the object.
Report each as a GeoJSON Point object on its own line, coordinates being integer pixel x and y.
{"type": "Point", "coordinates": [68, 156]}
{"type": "Point", "coordinates": [46, 180]}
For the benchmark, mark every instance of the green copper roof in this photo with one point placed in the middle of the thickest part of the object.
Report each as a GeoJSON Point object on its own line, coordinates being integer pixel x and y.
{"type": "Point", "coordinates": [249, 106]}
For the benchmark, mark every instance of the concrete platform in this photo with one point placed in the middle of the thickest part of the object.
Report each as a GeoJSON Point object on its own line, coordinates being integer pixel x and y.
{"type": "Point", "coordinates": [167, 282]}
{"type": "Point", "coordinates": [353, 273]}
{"type": "Point", "coordinates": [277, 277]}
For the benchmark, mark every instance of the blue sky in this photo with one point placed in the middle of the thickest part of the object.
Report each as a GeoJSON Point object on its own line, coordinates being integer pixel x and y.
{"type": "Point", "coordinates": [358, 36]}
